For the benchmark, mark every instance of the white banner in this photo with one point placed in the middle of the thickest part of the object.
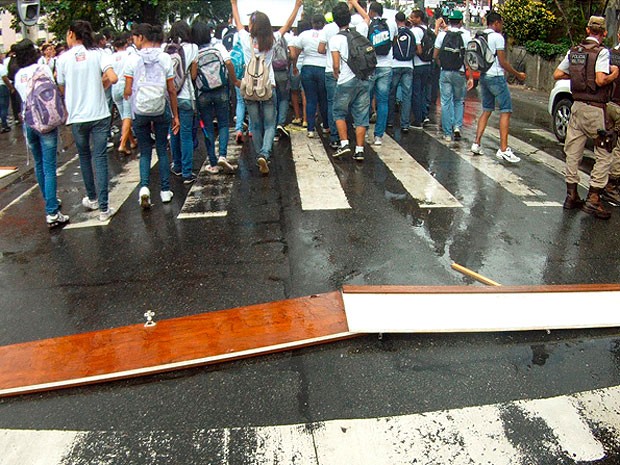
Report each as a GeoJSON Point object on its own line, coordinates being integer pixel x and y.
{"type": "Point", "coordinates": [277, 10]}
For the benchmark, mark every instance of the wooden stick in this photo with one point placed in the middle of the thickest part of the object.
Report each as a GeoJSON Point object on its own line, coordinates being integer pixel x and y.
{"type": "Point", "coordinates": [473, 274]}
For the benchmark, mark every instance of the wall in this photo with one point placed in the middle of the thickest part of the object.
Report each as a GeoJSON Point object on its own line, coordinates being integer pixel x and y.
{"type": "Point", "coordinates": [539, 71]}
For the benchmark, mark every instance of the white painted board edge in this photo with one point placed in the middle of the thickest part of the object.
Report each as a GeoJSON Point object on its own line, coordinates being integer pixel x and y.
{"type": "Point", "coordinates": [467, 312]}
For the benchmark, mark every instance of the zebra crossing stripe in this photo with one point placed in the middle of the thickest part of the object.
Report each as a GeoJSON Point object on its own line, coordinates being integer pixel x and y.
{"type": "Point", "coordinates": [319, 186]}
{"type": "Point", "coordinates": [582, 427]}
{"type": "Point", "coordinates": [420, 184]}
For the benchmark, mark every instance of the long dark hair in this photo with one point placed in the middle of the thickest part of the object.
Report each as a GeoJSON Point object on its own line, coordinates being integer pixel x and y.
{"type": "Point", "coordinates": [201, 33]}
{"type": "Point", "coordinates": [83, 32]}
{"type": "Point", "coordinates": [151, 32]}
{"type": "Point", "coordinates": [261, 31]}
{"type": "Point", "coordinates": [179, 32]}
{"type": "Point", "coordinates": [25, 53]}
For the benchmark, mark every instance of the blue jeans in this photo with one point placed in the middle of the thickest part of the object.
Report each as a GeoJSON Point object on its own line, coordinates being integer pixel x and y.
{"type": "Point", "coordinates": [214, 104]}
{"type": "Point", "coordinates": [43, 148]}
{"type": "Point", "coordinates": [352, 98]}
{"type": "Point", "coordinates": [98, 131]}
{"type": "Point", "coordinates": [5, 98]}
{"type": "Point", "coordinates": [330, 90]}
{"type": "Point", "coordinates": [182, 143]}
{"type": "Point", "coordinates": [421, 93]}
{"type": "Point", "coordinates": [380, 84]}
{"type": "Point", "coordinates": [452, 88]}
{"type": "Point", "coordinates": [283, 96]}
{"type": "Point", "coordinates": [240, 111]}
{"type": "Point", "coordinates": [404, 78]}
{"type": "Point", "coordinates": [313, 82]}
{"type": "Point", "coordinates": [142, 127]}
{"type": "Point", "coordinates": [262, 125]}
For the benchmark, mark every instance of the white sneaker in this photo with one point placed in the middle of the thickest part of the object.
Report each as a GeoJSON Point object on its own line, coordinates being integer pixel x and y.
{"type": "Point", "coordinates": [166, 196]}
{"type": "Point", "coordinates": [378, 140]}
{"type": "Point", "coordinates": [447, 137]}
{"type": "Point", "coordinates": [90, 205]}
{"type": "Point", "coordinates": [212, 169]}
{"type": "Point", "coordinates": [56, 220]}
{"type": "Point", "coordinates": [476, 149]}
{"type": "Point", "coordinates": [225, 166]}
{"type": "Point", "coordinates": [311, 134]}
{"type": "Point", "coordinates": [507, 155]}
{"type": "Point", "coordinates": [144, 197]}
{"type": "Point", "coordinates": [106, 215]}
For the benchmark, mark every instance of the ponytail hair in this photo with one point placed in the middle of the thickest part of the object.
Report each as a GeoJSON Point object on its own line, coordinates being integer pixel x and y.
{"type": "Point", "coordinates": [152, 33]}
{"type": "Point", "coordinates": [84, 33]}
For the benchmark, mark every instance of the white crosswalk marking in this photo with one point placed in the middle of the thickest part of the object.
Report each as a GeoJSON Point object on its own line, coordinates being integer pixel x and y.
{"type": "Point", "coordinates": [483, 434]}
{"type": "Point", "coordinates": [420, 184]}
{"type": "Point", "coordinates": [210, 194]}
{"type": "Point", "coordinates": [121, 187]}
{"type": "Point", "coordinates": [319, 186]}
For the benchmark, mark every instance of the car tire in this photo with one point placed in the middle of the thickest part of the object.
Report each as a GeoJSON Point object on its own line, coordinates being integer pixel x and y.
{"type": "Point", "coordinates": [561, 115]}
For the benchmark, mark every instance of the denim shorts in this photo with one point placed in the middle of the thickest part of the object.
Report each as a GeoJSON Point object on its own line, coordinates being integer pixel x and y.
{"type": "Point", "coordinates": [124, 108]}
{"type": "Point", "coordinates": [495, 90]}
{"type": "Point", "coordinates": [352, 95]}
{"type": "Point", "coordinates": [296, 81]}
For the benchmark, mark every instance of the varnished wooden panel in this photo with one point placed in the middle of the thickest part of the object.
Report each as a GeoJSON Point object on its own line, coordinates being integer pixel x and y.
{"type": "Point", "coordinates": [395, 289]}
{"type": "Point", "coordinates": [172, 344]}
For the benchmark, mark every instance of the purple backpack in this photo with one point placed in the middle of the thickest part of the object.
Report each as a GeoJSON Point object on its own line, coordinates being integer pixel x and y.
{"type": "Point", "coordinates": [45, 108]}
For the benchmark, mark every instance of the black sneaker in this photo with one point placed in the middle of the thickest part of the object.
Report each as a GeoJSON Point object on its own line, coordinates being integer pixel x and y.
{"type": "Point", "coordinates": [457, 134]}
{"type": "Point", "coordinates": [358, 156]}
{"type": "Point", "coordinates": [417, 126]}
{"type": "Point", "coordinates": [175, 171]}
{"type": "Point", "coordinates": [282, 131]}
{"type": "Point", "coordinates": [334, 145]}
{"type": "Point", "coordinates": [342, 151]}
{"type": "Point", "coordinates": [404, 130]}
{"type": "Point", "coordinates": [191, 179]}
{"type": "Point", "coordinates": [5, 129]}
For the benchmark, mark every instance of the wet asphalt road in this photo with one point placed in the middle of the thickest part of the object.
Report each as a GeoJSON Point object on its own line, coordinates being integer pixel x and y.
{"type": "Point", "coordinates": [268, 249]}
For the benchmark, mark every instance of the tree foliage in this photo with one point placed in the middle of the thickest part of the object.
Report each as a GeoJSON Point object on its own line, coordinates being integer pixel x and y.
{"type": "Point", "coordinates": [526, 20]}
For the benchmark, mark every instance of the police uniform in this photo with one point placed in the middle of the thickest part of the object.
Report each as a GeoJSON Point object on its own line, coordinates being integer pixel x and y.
{"type": "Point", "coordinates": [611, 193]}
{"type": "Point", "coordinates": [587, 118]}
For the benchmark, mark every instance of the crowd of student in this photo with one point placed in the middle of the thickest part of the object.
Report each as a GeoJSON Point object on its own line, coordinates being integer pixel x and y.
{"type": "Point", "coordinates": [164, 88]}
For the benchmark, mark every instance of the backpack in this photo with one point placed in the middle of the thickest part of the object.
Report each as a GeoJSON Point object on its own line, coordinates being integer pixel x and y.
{"type": "Point", "coordinates": [177, 54]}
{"type": "Point", "coordinates": [228, 40]}
{"type": "Point", "coordinates": [362, 58]}
{"type": "Point", "coordinates": [238, 59]}
{"type": "Point", "coordinates": [452, 51]}
{"type": "Point", "coordinates": [255, 84]}
{"type": "Point", "coordinates": [44, 107]}
{"type": "Point", "coordinates": [280, 60]}
{"type": "Point", "coordinates": [427, 43]}
{"type": "Point", "coordinates": [379, 36]}
{"type": "Point", "coordinates": [404, 45]}
{"type": "Point", "coordinates": [148, 93]}
{"type": "Point", "coordinates": [211, 70]}
{"type": "Point", "coordinates": [478, 55]}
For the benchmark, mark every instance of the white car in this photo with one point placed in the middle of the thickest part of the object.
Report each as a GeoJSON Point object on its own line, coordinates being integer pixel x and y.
{"type": "Point", "coordinates": [560, 103]}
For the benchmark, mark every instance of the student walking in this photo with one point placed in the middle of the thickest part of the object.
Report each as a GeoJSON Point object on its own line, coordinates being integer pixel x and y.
{"type": "Point", "coordinates": [150, 84]}
{"type": "Point", "coordinates": [494, 90]}
{"type": "Point", "coordinates": [42, 145]}
{"type": "Point", "coordinates": [119, 59]}
{"type": "Point", "coordinates": [257, 47]}
{"type": "Point", "coordinates": [83, 72]}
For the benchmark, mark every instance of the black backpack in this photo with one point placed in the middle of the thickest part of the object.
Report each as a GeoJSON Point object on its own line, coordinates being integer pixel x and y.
{"type": "Point", "coordinates": [404, 45]}
{"type": "Point", "coordinates": [379, 36]}
{"type": "Point", "coordinates": [452, 51]}
{"type": "Point", "coordinates": [228, 40]}
{"type": "Point", "coordinates": [362, 58]}
{"type": "Point", "coordinates": [427, 43]}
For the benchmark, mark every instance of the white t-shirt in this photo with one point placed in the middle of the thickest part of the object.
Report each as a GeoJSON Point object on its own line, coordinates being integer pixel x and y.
{"type": "Point", "coordinates": [164, 60]}
{"type": "Point", "coordinates": [338, 43]}
{"type": "Point", "coordinates": [328, 31]}
{"type": "Point", "coordinates": [51, 63]}
{"type": "Point", "coordinates": [308, 41]}
{"type": "Point", "coordinates": [80, 70]}
{"type": "Point", "coordinates": [602, 61]}
{"type": "Point", "coordinates": [359, 24]}
{"type": "Point", "coordinates": [465, 34]}
{"type": "Point", "coordinates": [247, 42]}
{"type": "Point", "coordinates": [496, 42]}
{"type": "Point", "coordinates": [119, 60]}
{"type": "Point", "coordinates": [23, 77]}
{"type": "Point", "coordinates": [402, 64]}
{"type": "Point", "coordinates": [3, 72]}
{"type": "Point", "coordinates": [191, 55]}
{"type": "Point", "coordinates": [385, 61]}
{"type": "Point", "coordinates": [418, 32]}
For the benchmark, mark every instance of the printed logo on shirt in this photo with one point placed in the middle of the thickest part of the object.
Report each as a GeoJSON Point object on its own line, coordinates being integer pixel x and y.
{"type": "Point", "coordinates": [80, 56]}
{"type": "Point", "coordinates": [23, 79]}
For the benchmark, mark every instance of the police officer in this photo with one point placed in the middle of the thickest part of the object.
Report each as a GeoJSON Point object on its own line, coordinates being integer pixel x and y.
{"type": "Point", "coordinates": [611, 193]}
{"type": "Point", "coordinates": [588, 68]}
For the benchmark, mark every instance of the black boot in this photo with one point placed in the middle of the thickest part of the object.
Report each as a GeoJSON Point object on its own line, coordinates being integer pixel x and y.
{"type": "Point", "coordinates": [594, 206]}
{"type": "Point", "coordinates": [572, 197]}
